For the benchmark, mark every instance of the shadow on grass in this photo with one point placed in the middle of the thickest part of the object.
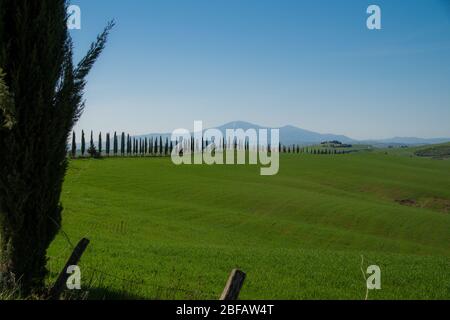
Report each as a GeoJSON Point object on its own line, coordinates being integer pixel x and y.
{"type": "Point", "coordinates": [108, 294]}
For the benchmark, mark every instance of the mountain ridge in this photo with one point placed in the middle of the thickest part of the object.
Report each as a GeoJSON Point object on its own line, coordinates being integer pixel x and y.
{"type": "Point", "coordinates": [290, 134]}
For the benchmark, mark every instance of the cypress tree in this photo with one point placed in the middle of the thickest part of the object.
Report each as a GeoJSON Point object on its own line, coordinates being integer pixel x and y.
{"type": "Point", "coordinates": [47, 90]}
{"type": "Point", "coordinates": [128, 145]}
{"type": "Point", "coordinates": [122, 144]}
{"type": "Point", "coordinates": [83, 143]}
{"type": "Point", "coordinates": [130, 151]}
{"type": "Point", "coordinates": [108, 144]}
{"type": "Point", "coordinates": [92, 149]}
{"type": "Point", "coordinates": [116, 144]}
{"type": "Point", "coordinates": [166, 147]}
{"type": "Point", "coordinates": [137, 146]}
{"type": "Point", "coordinates": [74, 145]}
{"type": "Point", "coordinates": [100, 144]}
{"type": "Point", "coordinates": [151, 146]}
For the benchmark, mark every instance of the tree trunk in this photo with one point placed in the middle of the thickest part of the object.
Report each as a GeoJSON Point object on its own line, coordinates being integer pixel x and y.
{"type": "Point", "coordinates": [25, 237]}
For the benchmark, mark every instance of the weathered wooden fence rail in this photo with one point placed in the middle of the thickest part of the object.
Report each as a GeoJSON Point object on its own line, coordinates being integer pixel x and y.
{"type": "Point", "coordinates": [234, 286]}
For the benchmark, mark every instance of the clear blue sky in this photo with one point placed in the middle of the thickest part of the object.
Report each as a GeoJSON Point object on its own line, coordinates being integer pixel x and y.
{"type": "Point", "coordinates": [308, 63]}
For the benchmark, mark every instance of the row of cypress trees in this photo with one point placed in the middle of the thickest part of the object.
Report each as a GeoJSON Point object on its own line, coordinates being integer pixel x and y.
{"type": "Point", "coordinates": [125, 145]}
{"type": "Point", "coordinates": [311, 150]}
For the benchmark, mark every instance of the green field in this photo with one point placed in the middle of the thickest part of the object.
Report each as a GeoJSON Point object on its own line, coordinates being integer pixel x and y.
{"type": "Point", "coordinates": [164, 232]}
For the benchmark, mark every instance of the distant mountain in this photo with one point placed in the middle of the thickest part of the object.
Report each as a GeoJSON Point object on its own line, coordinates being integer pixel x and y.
{"type": "Point", "coordinates": [294, 135]}
{"type": "Point", "coordinates": [288, 134]}
{"type": "Point", "coordinates": [411, 141]}
{"type": "Point", "coordinates": [291, 134]}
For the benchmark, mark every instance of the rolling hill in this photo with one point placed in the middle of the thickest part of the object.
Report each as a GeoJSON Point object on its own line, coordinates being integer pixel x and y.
{"type": "Point", "coordinates": [159, 231]}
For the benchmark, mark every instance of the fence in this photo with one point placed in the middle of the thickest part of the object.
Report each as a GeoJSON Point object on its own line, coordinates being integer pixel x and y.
{"type": "Point", "coordinates": [231, 291]}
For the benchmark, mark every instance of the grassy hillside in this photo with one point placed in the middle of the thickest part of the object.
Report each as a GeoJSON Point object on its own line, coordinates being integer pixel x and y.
{"type": "Point", "coordinates": [439, 151]}
{"type": "Point", "coordinates": [160, 231]}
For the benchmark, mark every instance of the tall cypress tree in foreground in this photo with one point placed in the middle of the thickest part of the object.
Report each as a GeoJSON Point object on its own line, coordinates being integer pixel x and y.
{"type": "Point", "coordinates": [47, 92]}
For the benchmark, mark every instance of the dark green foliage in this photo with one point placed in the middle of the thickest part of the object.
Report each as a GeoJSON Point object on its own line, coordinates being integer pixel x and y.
{"type": "Point", "coordinates": [128, 145]}
{"type": "Point", "coordinates": [116, 144]}
{"type": "Point", "coordinates": [47, 90]}
{"type": "Point", "coordinates": [166, 147]}
{"type": "Point", "coordinates": [438, 151]}
{"type": "Point", "coordinates": [83, 144]}
{"type": "Point", "coordinates": [100, 144]}
{"type": "Point", "coordinates": [74, 145]}
{"type": "Point", "coordinates": [91, 143]}
{"type": "Point", "coordinates": [122, 144]}
{"type": "Point", "coordinates": [93, 152]}
{"type": "Point", "coordinates": [6, 105]}
{"type": "Point", "coordinates": [108, 144]}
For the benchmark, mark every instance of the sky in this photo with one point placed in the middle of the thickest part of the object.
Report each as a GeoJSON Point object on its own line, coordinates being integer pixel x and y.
{"type": "Point", "coordinates": [313, 64]}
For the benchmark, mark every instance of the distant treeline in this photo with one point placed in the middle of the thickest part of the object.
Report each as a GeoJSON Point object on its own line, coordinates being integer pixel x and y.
{"type": "Point", "coordinates": [438, 152]}
{"type": "Point", "coordinates": [124, 145]}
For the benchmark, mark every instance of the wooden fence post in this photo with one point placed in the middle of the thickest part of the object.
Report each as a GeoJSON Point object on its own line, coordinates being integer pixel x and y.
{"type": "Point", "coordinates": [60, 284]}
{"type": "Point", "coordinates": [234, 286]}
